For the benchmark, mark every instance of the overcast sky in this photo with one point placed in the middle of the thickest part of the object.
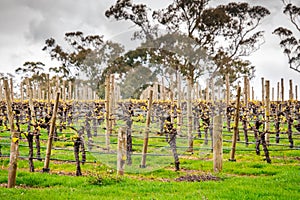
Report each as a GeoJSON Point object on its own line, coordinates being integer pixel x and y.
{"type": "Point", "coordinates": [26, 24]}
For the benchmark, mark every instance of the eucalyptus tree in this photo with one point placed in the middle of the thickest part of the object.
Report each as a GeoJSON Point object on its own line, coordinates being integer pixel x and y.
{"type": "Point", "coordinates": [224, 34]}
{"type": "Point", "coordinates": [290, 41]}
{"type": "Point", "coordinates": [84, 57]}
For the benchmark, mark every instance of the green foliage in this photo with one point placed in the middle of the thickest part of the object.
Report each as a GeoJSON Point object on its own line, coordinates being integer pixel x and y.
{"type": "Point", "coordinates": [136, 80]}
{"type": "Point", "coordinates": [289, 41]}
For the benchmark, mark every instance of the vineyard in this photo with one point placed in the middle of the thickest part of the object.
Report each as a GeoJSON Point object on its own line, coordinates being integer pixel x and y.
{"type": "Point", "coordinates": [83, 127]}
{"type": "Point", "coordinates": [139, 138]}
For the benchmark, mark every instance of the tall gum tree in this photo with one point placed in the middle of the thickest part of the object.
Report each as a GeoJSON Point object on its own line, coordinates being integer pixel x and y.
{"type": "Point", "coordinates": [224, 33]}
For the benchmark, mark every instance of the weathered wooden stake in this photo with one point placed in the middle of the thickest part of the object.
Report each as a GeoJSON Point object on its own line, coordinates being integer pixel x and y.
{"type": "Point", "coordinates": [236, 125]}
{"type": "Point", "coordinates": [246, 91]}
{"type": "Point", "coordinates": [122, 148]}
{"type": "Point", "coordinates": [64, 90]}
{"type": "Point", "coordinates": [48, 89]}
{"type": "Point", "coordinates": [14, 145]}
{"type": "Point", "coordinates": [30, 100]}
{"type": "Point", "coordinates": [50, 137]}
{"type": "Point", "coordinates": [267, 112]}
{"type": "Point", "coordinates": [278, 91]}
{"type": "Point", "coordinates": [296, 92]}
{"type": "Point", "coordinates": [190, 115]}
{"type": "Point", "coordinates": [107, 106]}
{"type": "Point", "coordinates": [33, 122]}
{"type": "Point", "coordinates": [217, 144]}
{"type": "Point", "coordinates": [11, 89]}
{"type": "Point", "coordinates": [291, 90]}
{"type": "Point", "coordinates": [146, 136]}
{"type": "Point", "coordinates": [179, 98]}
{"type": "Point", "coordinates": [282, 89]}
{"type": "Point", "coordinates": [70, 91]}
{"type": "Point", "coordinates": [273, 93]}
{"type": "Point", "coordinates": [112, 101]}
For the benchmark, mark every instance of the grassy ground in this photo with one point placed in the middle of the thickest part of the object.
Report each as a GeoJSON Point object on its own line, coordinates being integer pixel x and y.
{"type": "Point", "coordinates": [248, 178]}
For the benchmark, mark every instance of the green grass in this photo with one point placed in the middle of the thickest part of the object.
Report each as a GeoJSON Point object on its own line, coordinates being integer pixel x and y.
{"type": "Point", "coordinates": [239, 180]}
{"type": "Point", "coordinates": [250, 177]}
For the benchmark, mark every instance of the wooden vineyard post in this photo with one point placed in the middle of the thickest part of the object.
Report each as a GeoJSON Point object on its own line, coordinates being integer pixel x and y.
{"type": "Point", "coordinates": [246, 91]}
{"type": "Point", "coordinates": [278, 91]}
{"type": "Point", "coordinates": [146, 136]}
{"type": "Point", "coordinates": [50, 137]}
{"type": "Point", "coordinates": [217, 144]}
{"type": "Point", "coordinates": [236, 125]}
{"type": "Point", "coordinates": [14, 145]}
{"type": "Point", "coordinates": [179, 112]}
{"type": "Point", "coordinates": [48, 89]}
{"type": "Point", "coordinates": [296, 92]}
{"type": "Point", "coordinates": [200, 92]}
{"type": "Point", "coordinates": [64, 90]}
{"type": "Point", "coordinates": [273, 91]}
{"type": "Point", "coordinates": [263, 91]}
{"type": "Point", "coordinates": [70, 91]}
{"type": "Point", "coordinates": [267, 112]}
{"type": "Point", "coordinates": [112, 100]}
{"type": "Point", "coordinates": [57, 88]}
{"type": "Point", "coordinates": [107, 106]}
{"type": "Point", "coordinates": [11, 89]}
{"type": "Point", "coordinates": [40, 96]}
{"type": "Point", "coordinates": [189, 114]}
{"type": "Point", "coordinates": [282, 90]}
{"type": "Point", "coordinates": [121, 153]}
{"type": "Point", "coordinates": [291, 96]}
{"type": "Point", "coordinates": [33, 117]}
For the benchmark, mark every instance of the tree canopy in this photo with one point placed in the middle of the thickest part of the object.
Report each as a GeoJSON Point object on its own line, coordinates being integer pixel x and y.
{"type": "Point", "coordinates": [85, 57]}
{"type": "Point", "coordinates": [290, 43]}
{"type": "Point", "coordinates": [225, 33]}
